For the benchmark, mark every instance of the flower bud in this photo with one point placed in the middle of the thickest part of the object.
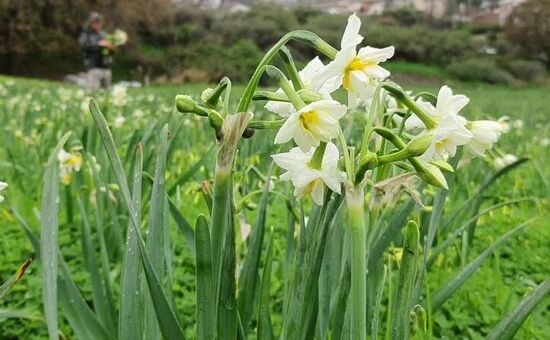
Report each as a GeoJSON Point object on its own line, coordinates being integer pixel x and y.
{"type": "Point", "coordinates": [186, 104]}
{"type": "Point", "coordinates": [309, 96]}
{"type": "Point", "coordinates": [206, 94]}
{"type": "Point", "coordinates": [421, 317]}
{"type": "Point", "coordinates": [441, 164]}
{"type": "Point", "coordinates": [432, 175]}
{"type": "Point", "coordinates": [419, 145]}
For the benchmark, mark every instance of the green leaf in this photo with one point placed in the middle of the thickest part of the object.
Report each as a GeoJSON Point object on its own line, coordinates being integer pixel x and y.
{"type": "Point", "coordinates": [222, 224]}
{"type": "Point", "coordinates": [302, 315]}
{"type": "Point", "coordinates": [83, 321]}
{"type": "Point", "coordinates": [81, 318]}
{"type": "Point", "coordinates": [507, 327]}
{"type": "Point", "coordinates": [17, 314]}
{"type": "Point", "coordinates": [249, 278]}
{"type": "Point", "coordinates": [99, 295]}
{"type": "Point", "coordinates": [185, 177]}
{"type": "Point", "coordinates": [457, 232]}
{"type": "Point", "coordinates": [205, 279]}
{"type": "Point", "coordinates": [183, 225]}
{"type": "Point", "coordinates": [130, 323]}
{"type": "Point", "coordinates": [401, 308]}
{"type": "Point", "coordinates": [169, 324]}
{"type": "Point", "coordinates": [12, 281]}
{"type": "Point", "coordinates": [49, 239]}
{"type": "Point", "coordinates": [35, 242]}
{"type": "Point", "coordinates": [265, 327]}
{"type": "Point", "coordinates": [448, 289]}
{"type": "Point", "coordinates": [155, 237]}
{"type": "Point", "coordinates": [478, 194]}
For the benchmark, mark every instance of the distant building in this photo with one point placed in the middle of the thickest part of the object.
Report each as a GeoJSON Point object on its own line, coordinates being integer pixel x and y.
{"type": "Point", "coordinates": [489, 12]}
{"type": "Point", "coordinates": [495, 16]}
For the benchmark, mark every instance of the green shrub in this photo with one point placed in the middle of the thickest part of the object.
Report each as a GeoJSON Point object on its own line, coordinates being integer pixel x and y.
{"type": "Point", "coordinates": [421, 43]}
{"type": "Point", "coordinates": [526, 70]}
{"type": "Point", "coordinates": [481, 70]}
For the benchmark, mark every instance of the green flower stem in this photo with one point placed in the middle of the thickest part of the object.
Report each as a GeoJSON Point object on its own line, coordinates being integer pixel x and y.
{"type": "Point", "coordinates": [402, 97]}
{"type": "Point", "coordinates": [375, 107]}
{"type": "Point", "coordinates": [347, 159]}
{"type": "Point", "coordinates": [317, 160]}
{"type": "Point", "coordinates": [355, 202]}
{"type": "Point", "coordinates": [266, 124]}
{"type": "Point", "coordinates": [308, 96]}
{"type": "Point", "coordinates": [285, 85]}
{"type": "Point", "coordinates": [421, 168]}
{"type": "Point", "coordinates": [270, 95]}
{"type": "Point", "coordinates": [214, 97]}
{"type": "Point", "coordinates": [290, 67]}
{"type": "Point", "coordinates": [222, 206]}
{"type": "Point", "coordinates": [306, 37]}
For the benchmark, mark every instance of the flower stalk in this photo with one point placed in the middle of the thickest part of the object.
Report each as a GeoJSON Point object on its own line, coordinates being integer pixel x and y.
{"type": "Point", "coordinates": [402, 97]}
{"type": "Point", "coordinates": [355, 203]}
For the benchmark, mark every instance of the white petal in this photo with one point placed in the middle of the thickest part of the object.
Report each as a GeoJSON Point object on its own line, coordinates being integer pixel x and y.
{"type": "Point", "coordinates": [331, 156]}
{"type": "Point", "coordinates": [287, 131]}
{"type": "Point", "coordinates": [333, 179]}
{"type": "Point", "coordinates": [302, 178]}
{"type": "Point", "coordinates": [283, 109]}
{"type": "Point", "coordinates": [351, 34]}
{"type": "Point", "coordinates": [353, 99]}
{"type": "Point", "coordinates": [318, 193]}
{"type": "Point", "coordinates": [377, 72]}
{"type": "Point", "coordinates": [313, 68]}
{"type": "Point", "coordinates": [413, 122]}
{"type": "Point", "coordinates": [370, 54]}
{"type": "Point", "coordinates": [305, 140]}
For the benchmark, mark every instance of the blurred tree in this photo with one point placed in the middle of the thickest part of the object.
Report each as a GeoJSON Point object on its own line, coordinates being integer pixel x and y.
{"type": "Point", "coordinates": [528, 28]}
{"type": "Point", "coordinates": [50, 28]}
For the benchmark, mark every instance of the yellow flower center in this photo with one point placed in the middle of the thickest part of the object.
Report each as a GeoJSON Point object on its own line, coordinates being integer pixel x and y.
{"type": "Point", "coordinates": [308, 119]}
{"type": "Point", "coordinates": [308, 189]}
{"type": "Point", "coordinates": [355, 65]}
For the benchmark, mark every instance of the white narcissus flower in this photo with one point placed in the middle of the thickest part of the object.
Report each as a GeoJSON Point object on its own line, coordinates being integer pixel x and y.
{"type": "Point", "coordinates": [307, 180]}
{"type": "Point", "coordinates": [314, 123]}
{"type": "Point", "coordinates": [120, 95]}
{"type": "Point", "coordinates": [485, 134]}
{"type": "Point", "coordinates": [450, 128]}
{"type": "Point", "coordinates": [504, 161]}
{"type": "Point", "coordinates": [3, 186]}
{"type": "Point", "coordinates": [68, 163]}
{"type": "Point", "coordinates": [357, 71]}
{"type": "Point", "coordinates": [311, 81]}
{"type": "Point", "coordinates": [119, 121]}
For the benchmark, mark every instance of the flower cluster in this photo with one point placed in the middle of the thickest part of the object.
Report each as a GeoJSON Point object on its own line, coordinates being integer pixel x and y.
{"type": "Point", "coordinates": [312, 121]}
{"type": "Point", "coordinates": [118, 37]}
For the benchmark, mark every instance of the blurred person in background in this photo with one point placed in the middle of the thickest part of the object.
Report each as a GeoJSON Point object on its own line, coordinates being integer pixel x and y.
{"type": "Point", "coordinates": [97, 53]}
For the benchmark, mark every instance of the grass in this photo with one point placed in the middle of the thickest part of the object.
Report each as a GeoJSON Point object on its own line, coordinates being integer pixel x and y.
{"type": "Point", "coordinates": [37, 113]}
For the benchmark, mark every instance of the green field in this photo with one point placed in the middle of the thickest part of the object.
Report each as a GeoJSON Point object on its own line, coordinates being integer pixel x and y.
{"type": "Point", "coordinates": [35, 114]}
